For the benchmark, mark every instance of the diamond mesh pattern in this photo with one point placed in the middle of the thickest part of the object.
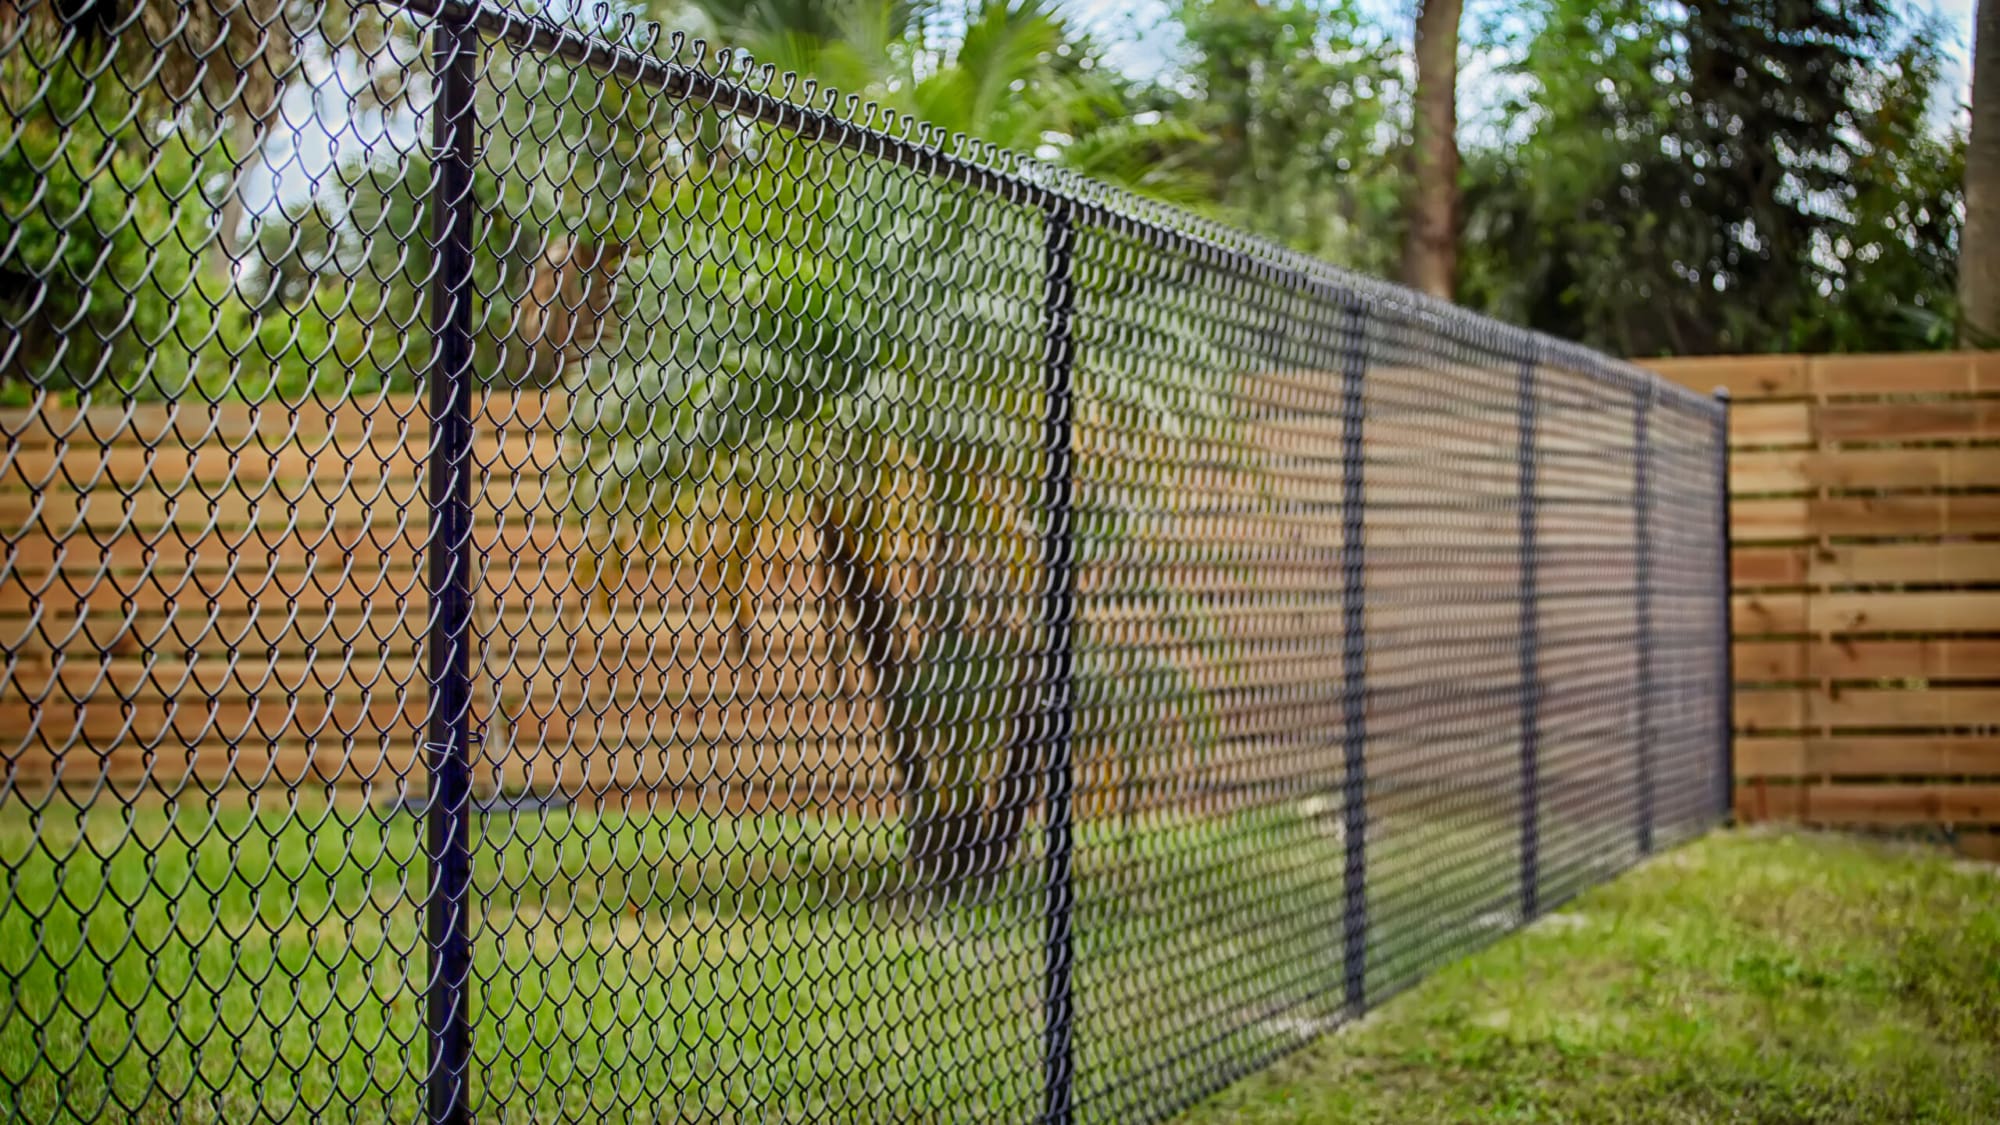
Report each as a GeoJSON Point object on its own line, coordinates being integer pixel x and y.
{"type": "Point", "coordinates": [551, 574]}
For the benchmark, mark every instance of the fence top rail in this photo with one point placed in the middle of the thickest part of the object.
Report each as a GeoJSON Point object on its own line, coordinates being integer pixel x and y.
{"type": "Point", "coordinates": [731, 81]}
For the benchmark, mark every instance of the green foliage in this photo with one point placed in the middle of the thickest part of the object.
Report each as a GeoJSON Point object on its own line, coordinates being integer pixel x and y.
{"type": "Point", "coordinates": [1298, 110]}
{"type": "Point", "coordinates": [1017, 74]}
{"type": "Point", "coordinates": [1662, 179]}
{"type": "Point", "coordinates": [1719, 177]}
{"type": "Point", "coordinates": [1892, 260]}
{"type": "Point", "coordinates": [106, 227]}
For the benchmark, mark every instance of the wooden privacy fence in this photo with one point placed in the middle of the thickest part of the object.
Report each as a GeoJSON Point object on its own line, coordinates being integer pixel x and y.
{"type": "Point", "coordinates": [236, 596]}
{"type": "Point", "coordinates": [1866, 503]}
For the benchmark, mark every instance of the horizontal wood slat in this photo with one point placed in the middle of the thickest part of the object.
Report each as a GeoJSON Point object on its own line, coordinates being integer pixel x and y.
{"type": "Point", "coordinates": [1860, 756]}
{"type": "Point", "coordinates": [1752, 378]}
{"type": "Point", "coordinates": [1882, 806]}
{"type": "Point", "coordinates": [1928, 708]}
{"type": "Point", "coordinates": [1857, 564]}
{"type": "Point", "coordinates": [1744, 377]}
{"type": "Point", "coordinates": [1949, 611]}
{"type": "Point", "coordinates": [1803, 471]}
{"type": "Point", "coordinates": [1905, 422]}
{"type": "Point", "coordinates": [1949, 372]}
{"type": "Point", "coordinates": [1865, 658]}
{"type": "Point", "coordinates": [1770, 424]}
{"type": "Point", "coordinates": [1762, 520]}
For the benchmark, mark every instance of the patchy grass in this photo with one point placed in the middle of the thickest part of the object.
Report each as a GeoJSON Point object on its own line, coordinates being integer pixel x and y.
{"type": "Point", "coordinates": [1751, 976]}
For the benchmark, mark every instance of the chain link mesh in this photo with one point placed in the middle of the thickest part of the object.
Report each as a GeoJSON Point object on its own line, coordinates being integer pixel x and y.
{"type": "Point", "coordinates": [551, 574]}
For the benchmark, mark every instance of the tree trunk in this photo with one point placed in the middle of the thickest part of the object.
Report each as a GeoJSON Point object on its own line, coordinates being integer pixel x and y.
{"type": "Point", "coordinates": [961, 828]}
{"type": "Point", "coordinates": [1979, 241]}
{"type": "Point", "coordinates": [1430, 238]}
{"type": "Point", "coordinates": [940, 818]}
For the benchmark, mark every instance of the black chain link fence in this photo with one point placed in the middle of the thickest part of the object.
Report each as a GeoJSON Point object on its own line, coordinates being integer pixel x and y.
{"type": "Point", "coordinates": [554, 575]}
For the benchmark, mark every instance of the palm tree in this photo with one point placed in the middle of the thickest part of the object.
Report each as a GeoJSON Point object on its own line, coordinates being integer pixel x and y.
{"type": "Point", "coordinates": [876, 381]}
{"type": "Point", "coordinates": [786, 338]}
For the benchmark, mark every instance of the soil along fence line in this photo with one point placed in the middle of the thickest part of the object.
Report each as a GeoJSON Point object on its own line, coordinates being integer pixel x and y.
{"type": "Point", "coordinates": [1866, 507]}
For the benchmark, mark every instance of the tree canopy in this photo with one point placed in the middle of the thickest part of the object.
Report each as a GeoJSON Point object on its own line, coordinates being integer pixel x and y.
{"type": "Point", "coordinates": [1647, 178]}
{"type": "Point", "coordinates": [1721, 177]}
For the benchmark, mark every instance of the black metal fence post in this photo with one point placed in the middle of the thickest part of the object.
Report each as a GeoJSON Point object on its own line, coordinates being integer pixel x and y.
{"type": "Point", "coordinates": [1354, 651]}
{"type": "Point", "coordinates": [1530, 643]}
{"type": "Point", "coordinates": [1058, 604]}
{"type": "Point", "coordinates": [1642, 566]}
{"type": "Point", "coordinates": [448, 1017]}
{"type": "Point", "coordinates": [1725, 580]}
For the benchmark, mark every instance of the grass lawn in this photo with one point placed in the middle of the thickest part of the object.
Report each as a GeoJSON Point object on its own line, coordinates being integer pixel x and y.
{"type": "Point", "coordinates": [1751, 976]}
{"type": "Point", "coordinates": [194, 964]}
{"type": "Point", "coordinates": [238, 964]}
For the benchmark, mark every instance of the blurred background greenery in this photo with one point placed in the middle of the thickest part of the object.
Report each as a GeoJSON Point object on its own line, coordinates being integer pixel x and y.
{"type": "Point", "coordinates": [1648, 178]}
